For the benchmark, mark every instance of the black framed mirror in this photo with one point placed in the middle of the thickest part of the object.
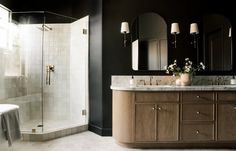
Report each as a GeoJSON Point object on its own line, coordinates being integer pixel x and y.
{"type": "Point", "coordinates": [149, 42]}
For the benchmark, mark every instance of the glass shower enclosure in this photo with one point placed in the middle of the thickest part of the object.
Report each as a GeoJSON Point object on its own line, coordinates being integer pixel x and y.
{"type": "Point", "coordinates": [44, 69]}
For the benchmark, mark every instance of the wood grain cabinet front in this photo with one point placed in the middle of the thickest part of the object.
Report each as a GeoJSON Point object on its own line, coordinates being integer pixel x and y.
{"type": "Point", "coordinates": [156, 122]}
{"type": "Point", "coordinates": [159, 119]}
{"type": "Point", "coordinates": [198, 116]}
{"type": "Point", "coordinates": [197, 97]}
{"type": "Point", "coordinates": [198, 112]}
{"type": "Point", "coordinates": [198, 132]}
{"type": "Point", "coordinates": [226, 122]}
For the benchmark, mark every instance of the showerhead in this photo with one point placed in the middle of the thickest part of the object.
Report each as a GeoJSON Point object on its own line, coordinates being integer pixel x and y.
{"type": "Point", "coordinates": [45, 28]}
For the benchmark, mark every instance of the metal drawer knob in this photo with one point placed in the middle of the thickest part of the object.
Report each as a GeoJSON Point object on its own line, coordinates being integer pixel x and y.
{"type": "Point", "coordinates": [198, 96]}
{"type": "Point", "coordinates": [197, 132]}
{"type": "Point", "coordinates": [159, 108]}
{"type": "Point", "coordinates": [198, 112]}
{"type": "Point", "coordinates": [153, 108]}
{"type": "Point", "coordinates": [234, 107]}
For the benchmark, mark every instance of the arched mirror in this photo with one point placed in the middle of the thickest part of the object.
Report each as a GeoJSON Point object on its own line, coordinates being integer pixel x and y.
{"type": "Point", "coordinates": [217, 43]}
{"type": "Point", "coordinates": [149, 42]}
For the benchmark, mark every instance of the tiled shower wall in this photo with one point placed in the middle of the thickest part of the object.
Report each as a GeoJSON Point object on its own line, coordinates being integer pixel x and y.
{"type": "Point", "coordinates": [56, 52]}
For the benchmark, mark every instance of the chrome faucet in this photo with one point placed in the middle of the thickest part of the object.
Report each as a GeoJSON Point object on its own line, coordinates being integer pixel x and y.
{"type": "Point", "coordinates": [151, 77]}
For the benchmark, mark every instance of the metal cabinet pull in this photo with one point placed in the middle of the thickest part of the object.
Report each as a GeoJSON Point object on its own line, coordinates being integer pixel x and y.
{"type": "Point", "coordinates": [198, 112]}
{"type": "Point", "coordinates": [197, 132]}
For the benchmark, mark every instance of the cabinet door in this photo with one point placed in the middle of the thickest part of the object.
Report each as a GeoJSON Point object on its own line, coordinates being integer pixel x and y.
{"type": "Point", "coordinates": [167, 122]}
{"type": "Point", "coordinates": [145, 122]}
{"type": "Point", "coordinates": [227, 121]}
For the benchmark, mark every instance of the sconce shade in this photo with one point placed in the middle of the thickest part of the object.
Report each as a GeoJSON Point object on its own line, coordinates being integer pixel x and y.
{"type": "Point", "coordinates": [230, 32]}
{"type": "Point", "coordinates": [124, 28]}
{"type": "Point", "coordinates": [194, 28]}
{"type": "Point", "coordinates": [175, 28]}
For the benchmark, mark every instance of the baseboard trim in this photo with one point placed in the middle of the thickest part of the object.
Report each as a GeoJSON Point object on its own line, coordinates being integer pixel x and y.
{"type": "Point", "coordinates": [99, 130]}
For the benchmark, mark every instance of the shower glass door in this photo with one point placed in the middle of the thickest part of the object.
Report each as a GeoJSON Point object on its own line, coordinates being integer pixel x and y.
{"type": "Point", "coordinates": [21, 68]}
{"type": "Point", "coordinates": [65, 61]}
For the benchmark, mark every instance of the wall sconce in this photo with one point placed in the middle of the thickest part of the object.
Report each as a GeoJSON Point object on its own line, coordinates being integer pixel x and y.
{"type": "Point", "coordinates": [174, 31]}
{"type": "Point", "coordinates": [230, 30]}
{"type": "Point", "coordinates": [125, 30]}
{"type": "Point", "coordinates": [194, 31]}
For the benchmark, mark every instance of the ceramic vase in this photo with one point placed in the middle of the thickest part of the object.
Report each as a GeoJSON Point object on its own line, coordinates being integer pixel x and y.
{"type": "Point", "coordinates": [186, 79]}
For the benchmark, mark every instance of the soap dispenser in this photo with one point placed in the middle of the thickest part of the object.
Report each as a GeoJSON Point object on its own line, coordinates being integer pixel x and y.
{"type": "Point", "coordinates": [233, 80]}
{"type": "Point", "coordinates": [131, 81]}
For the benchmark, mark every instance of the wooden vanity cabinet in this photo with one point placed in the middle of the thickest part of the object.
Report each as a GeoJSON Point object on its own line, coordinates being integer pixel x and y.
{"type": "Point", "coordinates": [175, 118]}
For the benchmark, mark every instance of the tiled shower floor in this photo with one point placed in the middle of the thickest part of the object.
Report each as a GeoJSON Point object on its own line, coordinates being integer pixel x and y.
{"type": "Point", "coordinates": [49, 125]}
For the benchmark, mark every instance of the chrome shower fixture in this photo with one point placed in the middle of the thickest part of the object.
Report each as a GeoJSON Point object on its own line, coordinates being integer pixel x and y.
{"type": "Point", "coordinates": [45, 28]}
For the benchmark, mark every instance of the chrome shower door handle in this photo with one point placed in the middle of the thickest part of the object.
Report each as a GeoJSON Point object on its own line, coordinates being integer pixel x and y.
{"type": "Point", "coordinates": [47, 72]}
{"type": "Point", "coordinates": [49, 69]}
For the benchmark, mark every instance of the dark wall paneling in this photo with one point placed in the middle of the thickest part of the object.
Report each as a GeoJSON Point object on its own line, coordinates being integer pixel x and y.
{"type": "Point", "coordinates": [95, 69]}
{"type": "Point", "coordinates": [117, 59]}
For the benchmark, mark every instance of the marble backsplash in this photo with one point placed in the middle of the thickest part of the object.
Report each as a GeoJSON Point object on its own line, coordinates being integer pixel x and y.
{"type": "Point", "coordinates": [168, 80]}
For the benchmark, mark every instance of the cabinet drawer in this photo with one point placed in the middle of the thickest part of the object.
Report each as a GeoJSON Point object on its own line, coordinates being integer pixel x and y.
{"type": "Point", "coordinates": [197, 132]}
{"type": "Point", "coordinates": [198, 112]}
{"type": "Point", "coordinates": [157, 97]}
{"type": "Point", "coordinates": [203, 97]}
{"type": "Point", "coordinates": [226, 96]}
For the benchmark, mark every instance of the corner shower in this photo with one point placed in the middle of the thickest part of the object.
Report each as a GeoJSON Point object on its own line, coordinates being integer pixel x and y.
{"type": "Point", "coordinates": [44, 70]}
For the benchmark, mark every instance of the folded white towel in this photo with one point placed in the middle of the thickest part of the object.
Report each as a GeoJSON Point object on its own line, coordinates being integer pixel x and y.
{"type": "Point", "coordinates": [7, 107]}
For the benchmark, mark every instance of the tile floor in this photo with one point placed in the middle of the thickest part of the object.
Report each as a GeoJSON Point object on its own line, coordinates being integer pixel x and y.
{"type": "Point", "coordinates": [86, 141]}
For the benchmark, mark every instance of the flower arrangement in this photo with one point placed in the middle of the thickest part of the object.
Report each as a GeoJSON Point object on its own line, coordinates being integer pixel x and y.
{"type": "Point", "coordinates": [188, 68]}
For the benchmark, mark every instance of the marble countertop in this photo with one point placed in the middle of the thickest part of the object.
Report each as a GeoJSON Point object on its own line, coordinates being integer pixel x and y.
{"type": "Point", "coordinates": [176, 88]}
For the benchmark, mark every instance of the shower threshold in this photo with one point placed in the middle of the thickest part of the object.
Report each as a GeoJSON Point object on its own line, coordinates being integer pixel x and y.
{"type": "Point", "coordinates": [34, 130]}
{"type": "Point", "coordinates": [49, 135]}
